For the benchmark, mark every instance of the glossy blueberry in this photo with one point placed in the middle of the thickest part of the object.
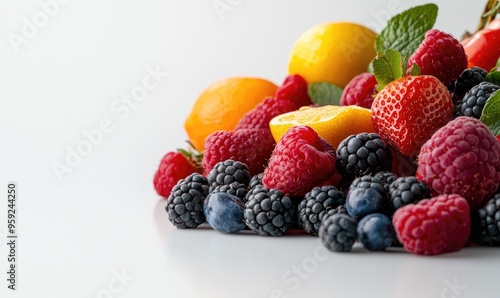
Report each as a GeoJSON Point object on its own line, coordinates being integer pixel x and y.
{"type": "Point", "coordinates": [376, 231]}
{"type": "Point", "coordinates": [224, 212]}
{"type": "Point", "coordinates": [363, 201]}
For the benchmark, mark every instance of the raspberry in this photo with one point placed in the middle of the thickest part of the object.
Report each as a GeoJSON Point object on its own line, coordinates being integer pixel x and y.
{"type": "Point", "coordinates": [433, 226]}
{"type": "Point", "coordinates": [473, 102]}
{"type": "Point", "coordinates": [300, 161]}
{"type": "Point", "coordinates": [338, 232]}
{"type": "Point", "coordinates": [316, 204]}
{"type": "Point", "coordinates": [360, 91]}
{"type": "Point", "coordinates": [227, 172]}
{"type": "Point", "coordinates": [259, 117]}
{"type": "Point", "coordinates": [185, 203]}
{"type": "Point", "coordinates": [268, 212]}
{"type": "Point", "coordinates": [488, 228]}
{"type": "Point", "coordinates": [252, 147]}
{"type": "Point", "coordinates": [294, 89]}
{"type": "Point", "coordinates": [462, 157]}
{"type": "Point", "coordinates": [363, 154]}
{"type": "Point", "coordinates": [439, 55]}
{"type": "Point", "coordinates": [407, 190]}
{"type": "Point", "coordinates": [173, 167]}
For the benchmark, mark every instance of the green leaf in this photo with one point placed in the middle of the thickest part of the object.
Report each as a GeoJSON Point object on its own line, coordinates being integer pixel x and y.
{"type": "Point", "coordinates": [415, 70]}
{"type": "Point", "coordinates": [404, 32]}
{"type": "Point", "coordinates": [493, 77]}
{"type": "Point", "coordinates": [491, 113]}
{"type": "Point", "coordinates": [324, 93]}
{"type": "Point", "coordinates": [387, 67]}
{"type": "Point", "coordinates": [497, 67]}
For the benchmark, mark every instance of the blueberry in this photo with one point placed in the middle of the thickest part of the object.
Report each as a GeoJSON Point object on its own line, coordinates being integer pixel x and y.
{"type": "Point", "coordinates": [376, 231]}
{"type": "Point", "coordinates": [224, 212]}
{"type": "Point", "coordinates": [363, 201]}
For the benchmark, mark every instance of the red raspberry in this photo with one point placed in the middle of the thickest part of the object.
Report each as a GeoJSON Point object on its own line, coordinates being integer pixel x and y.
{"type": "Point", "coordinates": [300, 161]}
{"type": "Point", "coordinates": [259, 117]}
{"type": "Point", "coordinates": [498, 138]}
{"type": "Point", "coordinates": [359, 91]}
{"type": "Point", "coordinates": [294, 88]}
{"type": "Point", "coordinates": [440, 55]}
{"type": "Point", "coordinates": [433, 226]}
{"type": "Point", "coordinates": [462, 157]}
{"type": "Point", "coordinates": [252, 147]}
{"type": "Point", "coordinates": [173, 167]}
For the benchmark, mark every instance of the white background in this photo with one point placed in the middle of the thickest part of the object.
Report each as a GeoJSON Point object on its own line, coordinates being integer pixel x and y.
{"type": "Point", "coordinates": [105, 218]}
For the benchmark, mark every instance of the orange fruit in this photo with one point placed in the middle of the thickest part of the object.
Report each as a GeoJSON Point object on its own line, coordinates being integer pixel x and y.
{"type": "Point", "coordinates": [333, 52]}
{"type": "Point", "coordinates": [222, 104]}
{"type": "Point", "coordinates": [332, 123]}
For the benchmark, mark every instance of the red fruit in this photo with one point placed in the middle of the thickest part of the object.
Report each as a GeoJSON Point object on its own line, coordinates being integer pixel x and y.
{"type": "Point", "coordinates": [252, 147]}
{"type": "Point", "coordinates": [409, 110]}
{"type": "Point", "coordinates": [300, 161]}
{"type": "Point", "coordinates": [498, 138]}
{"type": "Point", "coordinates": [294, 88]}
{"type": "Point", "coordinates": [359, 91]}
{"type": "Point", "coordinates": [259, 117]}
{"type": "Point", "coordinates": [433, 226]}
{"type": "Point", "coordinates": [173, 167]}
{"type": "Point", "coordinates": [439, 55]}
{"type": "Point", "coordinates": [462, 157]}
{"type": "Point", "coordinates": [483, 48]}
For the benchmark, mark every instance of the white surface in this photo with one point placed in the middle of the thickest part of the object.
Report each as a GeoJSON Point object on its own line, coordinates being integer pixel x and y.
{"type": "Point", "coordinates": [104, 216]}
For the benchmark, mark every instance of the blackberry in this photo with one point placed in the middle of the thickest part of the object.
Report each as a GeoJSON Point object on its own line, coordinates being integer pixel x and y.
{"type": "Point", "coordinates": [268, 212]}
{"type": "Point", "coordinates": [488, 222]}
{"type": "Point", "coordinates": [363, 154]}
{"type": "Point", "coordinates": [469, 78]}
{"type": "Point", "coordinates": [316, 204]}
{"type": "Point", "coordinates": [367, 195]}
{"type": "Point", "coordinates": [236, 189]}
{"type": "Point", "coordinates": [338, 210]}
{"type": "Point", "coordinates": [407, 190]}
{"type": "Point", "coordinates": [185, 203]}
{"type": "Point", "coordinates": [386, 178]}
{"type": "Point", "coordinates": [474, 100]}
{"type": "Point", "coordinates": [255, 180]}
{"type": "Point", "coordinates": [227, 172]}
{"type": "Point", "coordinates": [338, 232]}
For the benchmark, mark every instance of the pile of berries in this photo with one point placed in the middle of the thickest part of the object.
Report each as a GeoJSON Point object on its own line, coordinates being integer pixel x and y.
{"type": "Point", "coordinates": [359, 190]}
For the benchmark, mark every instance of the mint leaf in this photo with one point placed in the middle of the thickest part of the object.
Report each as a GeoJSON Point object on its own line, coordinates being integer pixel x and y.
{"type": "Point", "coordinates": [497, 67]}
{"type": "Point", "coordinates": [404, 32]}
{"type": "Point", "coordinates": [415, 70]}
{"type": "Point", "coordinates": [491, 113]}
{"type": "Point", "coordinates": [387, 67]}
{"type": "Point", "coordinates": [324, 93]}
{"type": "Point", "coordinates": [493, 77]}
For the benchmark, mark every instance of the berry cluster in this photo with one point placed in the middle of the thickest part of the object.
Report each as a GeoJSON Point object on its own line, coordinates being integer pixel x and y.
{"type": "Point", "coordinates": [423, 174]}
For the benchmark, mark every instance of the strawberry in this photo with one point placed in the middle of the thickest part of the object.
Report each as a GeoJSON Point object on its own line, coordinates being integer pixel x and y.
{"type": "Point", "coordinates": [294, 89]}
{"type": "Point", "coordinates": [409, 110]}
{"type": "Point", "coordinates": [252, 147]}
{"type": "Point", "coordinates": [259, 117]}
{"type": "Point", "coordinates": [300, 160]}
{"type": "Point", "coordinates": [173, 167]}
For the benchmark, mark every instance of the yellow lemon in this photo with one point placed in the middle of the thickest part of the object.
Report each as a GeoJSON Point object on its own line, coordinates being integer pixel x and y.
{"type": "Point", "coordinates": [332, 123]}
{"type": "Point", "coordinates": [333, 52]}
